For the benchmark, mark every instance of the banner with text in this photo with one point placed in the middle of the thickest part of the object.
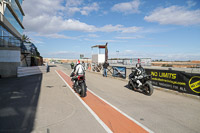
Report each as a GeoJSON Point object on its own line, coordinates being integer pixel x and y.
{"type": "Point", "coordinates": [176, 80]}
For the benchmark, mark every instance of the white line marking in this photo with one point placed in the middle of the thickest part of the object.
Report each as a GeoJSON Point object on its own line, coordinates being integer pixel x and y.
{"type": "Point", "coordinates": [148, 130]}
{"type": "Point", "coordinates": [89, 109]}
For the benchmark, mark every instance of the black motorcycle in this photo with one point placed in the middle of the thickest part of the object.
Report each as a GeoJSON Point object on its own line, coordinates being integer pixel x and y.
{"type": "Point", "coordinates": [146, 86]}
{"type": "Point", "coordinates": [79, 85]}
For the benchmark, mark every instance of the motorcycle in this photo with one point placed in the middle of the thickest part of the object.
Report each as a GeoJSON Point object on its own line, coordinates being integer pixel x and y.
{"type": "Point", "coordinates": [146, 86]}
{"type": "Point", "coordinates": [79, 85]}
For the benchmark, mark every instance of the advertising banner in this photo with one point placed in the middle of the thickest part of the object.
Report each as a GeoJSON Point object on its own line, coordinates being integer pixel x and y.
{"type": "Point", "coordinates": [176, 80]}
{"type": "Point", "coordinates": [119, 71]}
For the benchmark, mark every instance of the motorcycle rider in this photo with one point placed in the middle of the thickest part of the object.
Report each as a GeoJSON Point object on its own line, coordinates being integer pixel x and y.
{"type": "Point", "coordinates": [139, 74]}
{"type": "Point", "coordinates": [72, 65]}
{"type": "Point", "coordinates": [78, 70]}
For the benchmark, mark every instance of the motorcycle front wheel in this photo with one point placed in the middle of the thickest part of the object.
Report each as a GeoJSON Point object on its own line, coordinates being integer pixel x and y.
{"type": "Point", "coordinates": [130, 86]}
{"type": "Point", "coordinates": [83, 90]}
{"type": "Point", "coordinates": [148, 88]}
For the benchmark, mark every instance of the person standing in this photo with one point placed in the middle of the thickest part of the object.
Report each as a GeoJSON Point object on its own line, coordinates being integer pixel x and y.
{"type": "Point", "coordinates": [105, 67]}
{"type": "Point", "coordinates": [83, 64]}
{"type": "Point", "coordinates": [72, 65]}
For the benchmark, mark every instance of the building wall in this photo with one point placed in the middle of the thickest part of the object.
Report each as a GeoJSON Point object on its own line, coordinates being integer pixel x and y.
{"type": "Point", "coordinates": [10, 55]}
{"type": "Point", "coordinates": [98, 58]}
{"type": "Point", "coordinates": [12, 20]}
{"type": "Point", "coordinates": [1, 8]}
{"type": "Point", "coordinates": [9, 61]}
{"type": "Point", "coordinates": [11, 30]}
{"type": "Point", "coordinates": [25, 60]}
{"type": "Point", "coordinates": [8, 69]}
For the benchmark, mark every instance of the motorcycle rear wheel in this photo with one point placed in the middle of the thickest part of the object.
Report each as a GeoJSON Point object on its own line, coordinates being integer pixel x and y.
{"type": "Point", "coordinates": [83, 90]}
{"type": "Point", "coordinates": [148, 88]}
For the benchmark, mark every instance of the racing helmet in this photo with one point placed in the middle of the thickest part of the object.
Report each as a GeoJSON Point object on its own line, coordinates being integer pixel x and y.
{"type": "Point", "coordinates": [138, 65]}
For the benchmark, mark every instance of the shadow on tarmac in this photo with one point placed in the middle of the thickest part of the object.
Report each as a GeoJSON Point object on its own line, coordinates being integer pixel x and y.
{"type": "Point", "coordinates": [126, 86]}
{"type": "Point", "coordinates": [18, 103]}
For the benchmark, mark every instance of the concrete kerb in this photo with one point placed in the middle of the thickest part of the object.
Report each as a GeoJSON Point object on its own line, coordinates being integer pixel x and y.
{"type": "Point", "coordinates": [156, 87]}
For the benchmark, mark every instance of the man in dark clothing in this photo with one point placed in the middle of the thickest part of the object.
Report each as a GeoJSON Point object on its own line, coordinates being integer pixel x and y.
{"type": "Point", "coordinates": [72, 65]}
{"type": "Point", "coordinates": [105, 67]}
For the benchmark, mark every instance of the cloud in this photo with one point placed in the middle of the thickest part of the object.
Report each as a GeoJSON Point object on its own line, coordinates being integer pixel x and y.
{"type": "Point", "coordinates": [42, 7]}
{"type": "Point", "coordinates": [128, 37]}
{"type": "Point", "coordinates": [37, 41]}
{"type": "Point", "coordinates": [50, 22]}
{"type": "Point", "coordinates": [119, 28]}
{"type": "Point", "coordinates": [74, 6]}
{"type": "Point", "coordinates": [46, 24]}
{"type": "Point", "coordinates": [191, 3]}
{"type": "Point", "coordinates": [176, 15]}
{"type": "Point", "coordinates": [72, 10]}
{"type": "Point", "coordinates": [87, 9]}
{"type": "Point", "coordinates": [93, 35]}
{"type": "Point", "coordinates": [57, 36]}
{"type": "Point", "coordinates": [127, 7]}
{"type": "Point", "coordinates": [74, 2]}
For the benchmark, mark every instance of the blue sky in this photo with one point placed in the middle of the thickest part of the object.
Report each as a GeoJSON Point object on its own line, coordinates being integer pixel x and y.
{"type": "Point", "coordinates": [164, 29]}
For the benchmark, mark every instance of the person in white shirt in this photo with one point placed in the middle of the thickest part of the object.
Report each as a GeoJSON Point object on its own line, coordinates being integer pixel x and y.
{"type": "Point", "coordinates": [78, 70]}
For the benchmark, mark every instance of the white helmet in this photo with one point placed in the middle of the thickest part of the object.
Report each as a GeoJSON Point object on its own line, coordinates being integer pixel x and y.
{"type": "Point", "coordinates": [138, 65]}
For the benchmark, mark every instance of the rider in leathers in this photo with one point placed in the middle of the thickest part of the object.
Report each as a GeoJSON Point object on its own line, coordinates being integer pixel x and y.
{"type": "Point", "coordinates": [78, 70]}
{"type": "Point", "coordinates": [139, 73]}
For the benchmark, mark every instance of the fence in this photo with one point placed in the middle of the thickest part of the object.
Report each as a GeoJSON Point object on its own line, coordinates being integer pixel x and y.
{"type": "Point", "coordinates": [130, 62]}
{"type": "Point", "coordinates": [176, 80]}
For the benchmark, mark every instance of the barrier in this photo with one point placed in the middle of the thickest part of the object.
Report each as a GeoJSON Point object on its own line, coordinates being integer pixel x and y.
{"type": "Point", "coordinates": [176, 80]}
{"type": "Point", "coordinates": [181, 81]}
{"type": "Point", "coordinates": [130, 62]}
{"type": "Point", "coordinates": [26, 71]}
{"type": "Point", "coordinates": [119, 71]}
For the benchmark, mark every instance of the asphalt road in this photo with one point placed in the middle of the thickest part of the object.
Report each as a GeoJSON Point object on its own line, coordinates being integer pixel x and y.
{"type": "Point", "coordinates": [45, 104]}
{"type": "Point", "coordinates": [162, 112]}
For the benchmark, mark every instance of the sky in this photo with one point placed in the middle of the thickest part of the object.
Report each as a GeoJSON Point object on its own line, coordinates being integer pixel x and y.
{"type": "Point", "coordinates": [157, 29]}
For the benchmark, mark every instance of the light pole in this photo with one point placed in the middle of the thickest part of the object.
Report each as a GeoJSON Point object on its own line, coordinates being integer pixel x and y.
{"type": "Point", "coordinates": [117, 55]}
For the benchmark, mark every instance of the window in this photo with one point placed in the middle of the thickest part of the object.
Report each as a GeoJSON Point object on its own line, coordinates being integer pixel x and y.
{"type": "Point", "coordinates": [16, 9]}
{"type": "Point", "coordinates": [12, 20]}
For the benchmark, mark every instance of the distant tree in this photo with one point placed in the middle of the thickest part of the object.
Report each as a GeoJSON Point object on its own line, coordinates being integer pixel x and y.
{"type": "Point", "coordinates": [26, 39]}
{"type": "Point", "coordinates": [37, 52]}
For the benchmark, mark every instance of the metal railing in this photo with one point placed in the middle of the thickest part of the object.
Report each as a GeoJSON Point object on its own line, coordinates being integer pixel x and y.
{"type": "Point", "coordinates": [130, 61]}
{"type": "Point", "coordinates": [9, 41]}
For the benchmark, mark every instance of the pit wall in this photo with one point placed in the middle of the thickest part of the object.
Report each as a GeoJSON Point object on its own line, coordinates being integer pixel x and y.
{"type": "Point", "coordinates": [181, 81]}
